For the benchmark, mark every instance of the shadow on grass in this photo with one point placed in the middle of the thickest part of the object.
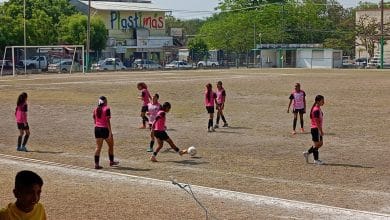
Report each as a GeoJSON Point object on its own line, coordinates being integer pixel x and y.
{"type": "Point", "coordinates": [189, 162]}
{"type": "Point", "coordinates": [46, 152]}
{"type": "Point", "coordinates": [346, 165]}
{"type": "Point", "coordinates": [227, 132]}
{"type": "Point", "coordinates": [237, 128]}
{"type": "Point", "coordinates": [130, 169]}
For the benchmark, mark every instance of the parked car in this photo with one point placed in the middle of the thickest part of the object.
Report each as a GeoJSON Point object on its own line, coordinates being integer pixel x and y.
{"type": "Point", "coordinates": [207, 63]}
{"type": "Point", "coordinates": [109, 64]}
{"type": "Point", "coordinates": [361, 62]}
{"type": "Point", "coordinates": [178, 65]}
{"type": "Point", "coordinates": [63, 66]}
{"type": "Point", "coordinates": [146, 64]}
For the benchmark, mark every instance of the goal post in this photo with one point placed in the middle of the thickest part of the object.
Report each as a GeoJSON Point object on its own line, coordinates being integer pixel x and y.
{"type": "Point", "coordinates": [45, 58]}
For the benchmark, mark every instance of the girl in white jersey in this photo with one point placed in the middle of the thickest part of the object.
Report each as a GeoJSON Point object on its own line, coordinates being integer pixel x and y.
{"type": "Point", "coordinates": [317, 133]}
{"type": "Point", "coordinates": [298, 97]}
{"type": "Point", "coordinates": [158, 127]}
{"type": "Point", "coordinates": [153, 109]}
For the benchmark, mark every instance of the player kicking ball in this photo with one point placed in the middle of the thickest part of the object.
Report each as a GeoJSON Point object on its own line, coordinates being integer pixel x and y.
{"type": "Point", "coordinates": [161, 135]}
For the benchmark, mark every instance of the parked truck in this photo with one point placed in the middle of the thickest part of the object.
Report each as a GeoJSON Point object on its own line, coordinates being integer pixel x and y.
{"type": "Point", "coordinates": [35, 62]}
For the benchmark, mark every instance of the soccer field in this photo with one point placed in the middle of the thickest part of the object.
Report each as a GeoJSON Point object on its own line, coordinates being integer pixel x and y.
{"type": "Point", "coordinates": [243, 167]}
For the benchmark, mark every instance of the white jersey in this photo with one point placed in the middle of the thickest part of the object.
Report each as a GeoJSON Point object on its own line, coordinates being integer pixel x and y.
{"type": "Point", "coordinates": [153, 110]}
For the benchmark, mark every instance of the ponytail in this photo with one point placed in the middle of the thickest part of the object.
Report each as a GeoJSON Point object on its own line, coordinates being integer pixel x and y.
{"type": "Point", "coordinates": [102, 101]}
{"type": "Point", "coordinates": [21, 99]}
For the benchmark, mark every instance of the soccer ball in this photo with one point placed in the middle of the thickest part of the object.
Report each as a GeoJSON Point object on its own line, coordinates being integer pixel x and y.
{"type": "Point", "coordinates": [191, 151]}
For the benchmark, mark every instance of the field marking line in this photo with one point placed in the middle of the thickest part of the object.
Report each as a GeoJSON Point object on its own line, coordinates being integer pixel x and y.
{"type": "Point", "coordinates": [257, 200]}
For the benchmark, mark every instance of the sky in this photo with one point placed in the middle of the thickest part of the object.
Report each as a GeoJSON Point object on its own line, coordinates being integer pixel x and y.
{"type": "Point", "coordinates": [189, 9]}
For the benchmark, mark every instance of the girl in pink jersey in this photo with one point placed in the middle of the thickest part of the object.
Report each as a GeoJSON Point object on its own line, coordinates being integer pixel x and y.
{"type": "Point", "coordinates": [153, 108]}
{"type": "Point", "coordinates": [145, 97]}
{"type": "Point", "coordinates": [298, 97]}
{"type": "Point", "coordinates": [158, 127]}
{"type": "Point", "coordinates": [221, 97]}
{"type": "Point", "coordinates": [317, 133]}
{"type": "Point", "coordinates": [101, 117]}
{"type": "Point", "coordinates": [21, 121]}
{"type": "Point", "coordinates": [209, 100]}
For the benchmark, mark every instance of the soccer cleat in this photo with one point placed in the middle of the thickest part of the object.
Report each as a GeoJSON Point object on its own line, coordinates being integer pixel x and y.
{"type": "Point", "coordinates": [302, 130]}
{"type": "Point", "coordinates": [318, 162]}
{"type": "Point", "coordinates": [19, 148]}
{"type": "Point", "coordinates": [225, 125]}
{"type": "Point", "coordinates": [212, 129]}
{"type": "Point", "coordinates": [153, 159]}
{"type": "Point", "coordinates": [142, 127]}
{"type": "Point", "coordinates": [150, 149]}
{"type": "Point", "coordinates": [114, 163]}
{"type": "Point", "coordinates": [97, 167]}
{"type": "Point", "coordinates": [216, 126]}
{"type": "Point", "coordinates": [23, 148]}
{"type": "Point", "coordinates": [181, 152]}
{"type": "Point", "coordinates": [293, 132]}
{"type": "Point", "coordinates": [306, 156]}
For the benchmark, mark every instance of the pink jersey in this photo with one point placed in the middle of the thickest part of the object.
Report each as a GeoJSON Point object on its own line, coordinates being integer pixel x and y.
{"type": "Point", "coordinates": [102, 122]}
{"type": "Point", "coordinates": [21, 113]}
{"type": "Point", "coordinates": [153, 110]}
{"type": "Point", "coordinates": [159, 124]}
{"type": "Point", "coordinates": [145, 97]}
{"type": "Point", "coordinates": [221, 96]}
{"type": "Point", "coordinates": [209, 101]}
{"type": "Point", "coordinates": [316, 114]}
{"type": "Point", "coordinates": [298, 98]}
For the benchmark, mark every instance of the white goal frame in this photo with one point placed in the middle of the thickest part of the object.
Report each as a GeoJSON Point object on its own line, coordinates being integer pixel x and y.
{"type": "Point", "coordinates": [49, 47]}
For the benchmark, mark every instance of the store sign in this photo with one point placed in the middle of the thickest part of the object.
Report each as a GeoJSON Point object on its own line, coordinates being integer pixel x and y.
{"type": "Point", "coordinates": [137, 20]}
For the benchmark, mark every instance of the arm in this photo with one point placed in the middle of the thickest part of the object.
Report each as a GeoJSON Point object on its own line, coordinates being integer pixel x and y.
{"type": "Point", "coordinates": [289, 104]}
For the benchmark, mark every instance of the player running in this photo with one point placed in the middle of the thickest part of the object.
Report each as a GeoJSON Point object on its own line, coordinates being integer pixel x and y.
{"type": "Point", "coordinates": [158, 127]}
{"type": "Point", "coordinates": [153, 109]}
{"type": "Point", "coordinates": [145, 97]}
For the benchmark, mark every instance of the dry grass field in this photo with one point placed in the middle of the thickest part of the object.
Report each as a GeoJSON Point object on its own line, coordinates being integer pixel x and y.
{"type": "Point", "coordinates": [256, 155]}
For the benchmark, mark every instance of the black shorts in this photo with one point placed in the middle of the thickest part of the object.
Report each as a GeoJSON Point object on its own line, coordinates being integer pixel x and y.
{"type": "Point", "coordinates": [162, 135]}
{"type": "Point", "coordinates": [22, 126]}
{"type": "Point", "coordinates": [144, 108]}
{"type": "Point", "coordinates": [300, 111]}
{"type": "Point", "coordinates": [101, 132]}
{"type": "Point", "coordinates": [219, 106]}
{"type": "Point", "coordinates": [210, 109]}
{"type": "Point", "coordinates": [315, 135]}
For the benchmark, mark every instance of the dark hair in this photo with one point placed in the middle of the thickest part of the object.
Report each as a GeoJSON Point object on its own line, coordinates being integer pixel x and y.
{"type": "Point", "coordinates": [219, 83]}
{"type": "Point", "coordinates": [166, 106]}
{"type": "Point", "coordinates": [102, 101]}
{"type": "Point", "coordinates": [27, 179]}
{"type": "Point", "coordinates": [157, 95]}
{"type": "Point", "coordinates": [209, 88]}
{"type": "Point", "coordinates": [142, 85]}
{"type": "Point", "coordinates": [316, 100]}
{"type": "Point", "coordinates": [21, 99]}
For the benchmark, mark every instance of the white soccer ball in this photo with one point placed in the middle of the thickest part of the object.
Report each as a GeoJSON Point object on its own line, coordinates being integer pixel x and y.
{"type": "Point", "coordinates": [191, 151]}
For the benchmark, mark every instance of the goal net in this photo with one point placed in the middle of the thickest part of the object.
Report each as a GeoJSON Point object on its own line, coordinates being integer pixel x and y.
{"type": "Point", "coordinates": [38, 59]}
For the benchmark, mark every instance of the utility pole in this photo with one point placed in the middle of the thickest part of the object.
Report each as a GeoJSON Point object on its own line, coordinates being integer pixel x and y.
{"type": "Point", "coordinates": [254, 45]}
{"type": "Point", "coordinates": [88, 36]}
{"type": "Point", "coordinates": [382, 38]}
{"type": "Point", "coordinates": [24, 36]}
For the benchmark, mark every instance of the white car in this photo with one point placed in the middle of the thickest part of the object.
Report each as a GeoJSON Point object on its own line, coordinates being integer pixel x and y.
{"type": "Point", "coordinates": [207, 63]}
{"type": "Point", "coordinates": [146, 64]}
{"type": "Point", "coordinates": [109, 64]}
{"type": "Point", "coordinates": [178, 65]}
{"type": "Point", "coordinates": [63, 66]}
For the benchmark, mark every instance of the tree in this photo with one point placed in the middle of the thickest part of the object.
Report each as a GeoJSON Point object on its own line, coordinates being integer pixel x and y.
{"type": "Point", "coordinates": [198, 49]}
{"type": "Point", "coordinates": [367, 32]}
{"type": "Point", "coordinates": [73, 30]}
